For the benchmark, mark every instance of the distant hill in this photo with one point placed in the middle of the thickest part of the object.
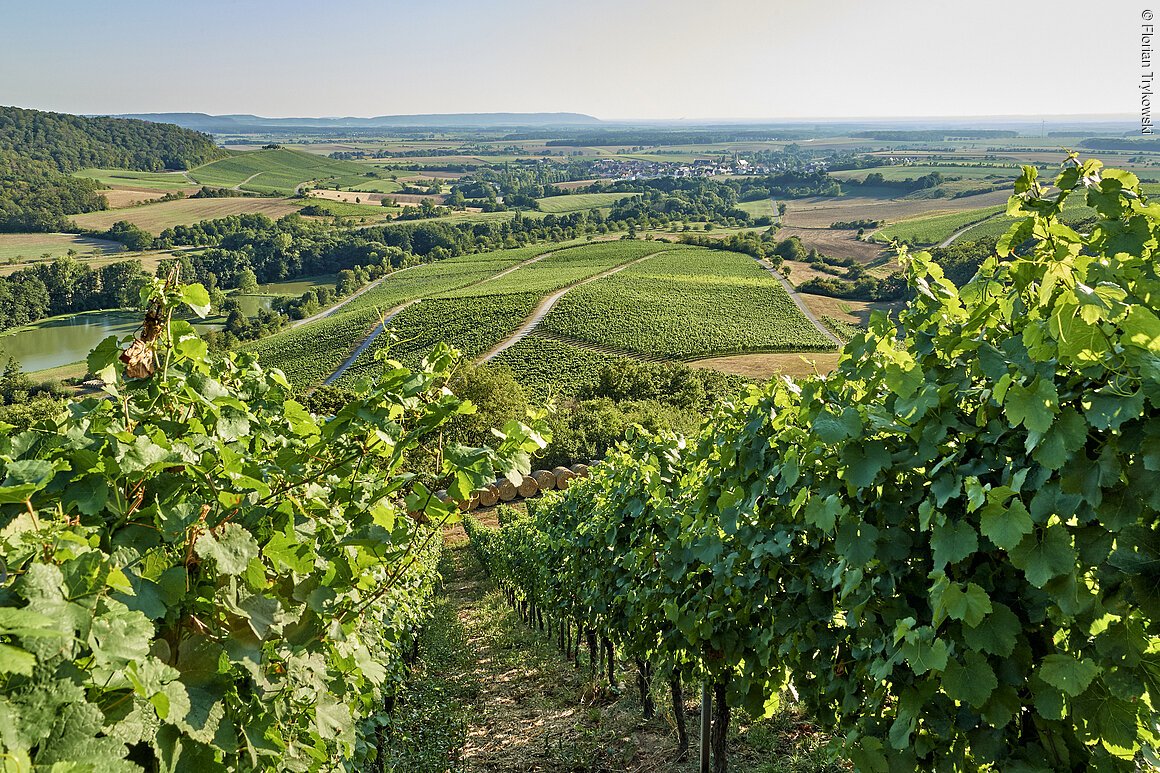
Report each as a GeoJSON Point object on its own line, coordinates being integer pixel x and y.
{"type": "Point", "coordinates": [39, 149]}
{"type": "Point", "coordinates": [247, 124]}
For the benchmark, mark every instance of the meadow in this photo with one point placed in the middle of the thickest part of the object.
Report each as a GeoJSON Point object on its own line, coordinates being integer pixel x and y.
{"type": "Point", "coordinates": [934, 229]}
{"type": "Point", "coordinates": [163, 181]}
{"type": "Point", "coordinates": [580, 201]}
{"type": "Point", "coordinates": [23, 248]}
{"type": "Point", "coordinates": [279, 170]}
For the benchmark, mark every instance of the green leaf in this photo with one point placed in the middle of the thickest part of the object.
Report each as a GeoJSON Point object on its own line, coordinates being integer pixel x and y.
{"type": "Point", "coordinates": [1032, 406]}
{"type": "Point", "coordinates": [970, 605]}
{"type": "Point", "coordinates": [24, 478]}
{"type": "Point", "coordinates": [1046, 555]}
{"type": "Point", "coordinates": [952, 542]}
{"type": "Point", "coordinates": [231, 548]}
{"type": "Point", "coordinates": [197, 298]}
{"type": "Point", "coordinates": [925, 653]}
{"type": "Point", "coordinates": [102, 360]}
{"type": "Point", "coordinates": [864, 462]}
{"type": "Point", "coordinates": [970, 682]}
{"type": "Point", "coordinates": [1068, 674]}
{"type": "Point", "coordinates": [14, 660]}
{"type": "Point", "coordinates": [996, 634]}
{"type": "Point", "coordinates": [1005, 525]}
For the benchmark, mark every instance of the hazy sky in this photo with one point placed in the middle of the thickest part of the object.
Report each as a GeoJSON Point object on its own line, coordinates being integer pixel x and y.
{"type": "Point", "coordinates": [608, 58]}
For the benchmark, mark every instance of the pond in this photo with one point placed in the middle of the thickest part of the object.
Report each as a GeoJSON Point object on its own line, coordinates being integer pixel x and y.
{"type": "Point", "coordinates": [63, 340]}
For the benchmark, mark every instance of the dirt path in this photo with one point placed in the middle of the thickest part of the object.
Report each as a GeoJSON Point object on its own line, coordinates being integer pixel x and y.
{"type": "Point", "coordinates": [546, 305]}
{"type": "Point", "coordinates": [797, 299]}
{"type": "Point", "coordinates": [378, 329]}
{"type": "Point", "coordinates": [493, 696]}
{"type": "Point", "coordinates": [366, 342]}
{"type": "Point", "coordinates": [238, 187]}
{"type": "Point", "coordinates": [338, 306]}
{"type": "Point", "coordinates": [947, 242]}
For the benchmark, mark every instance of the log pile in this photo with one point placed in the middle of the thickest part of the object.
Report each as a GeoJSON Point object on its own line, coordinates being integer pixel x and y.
{"type": "Point", "coordinates": [503, 490]}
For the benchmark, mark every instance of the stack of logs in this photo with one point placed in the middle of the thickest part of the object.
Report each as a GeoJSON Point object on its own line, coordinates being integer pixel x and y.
{"type": "Point", "coordinates": [503, 490]}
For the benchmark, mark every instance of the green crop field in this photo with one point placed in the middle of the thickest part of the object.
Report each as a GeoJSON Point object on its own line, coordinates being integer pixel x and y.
{"type": "Point", "coordinates": [1006, 173]}
{"type": "Point", "coordinates": [687, 303]}
{"type": "Point", "coordinates": [162, 181]}
{"type": "Point", "coordinates": [579, 201]}
{"type": "Point", "coordinates": [346, 209]}
{"type": "Point", "coordinates": [376, 185]}
{"type": "Point", "coordinates": [471, 325]}
{"type": "Point", "coordinates": [280, 170]}
{"type": "Point", "coordinates": [155, 218]}
{"type": "Point", "coordinates": [936, 228]}
{"type": "Point", "coordinates": [1074, 210]}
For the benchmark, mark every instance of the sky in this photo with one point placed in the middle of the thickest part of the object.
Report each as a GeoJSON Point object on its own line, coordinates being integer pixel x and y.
{"type": "Point", "coordinates": [614, 59]}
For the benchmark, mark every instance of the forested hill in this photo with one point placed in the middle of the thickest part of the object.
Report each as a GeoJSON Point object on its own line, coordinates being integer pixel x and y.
{"type": "Point", "coordinates": [38, 150]}
{"type": "Point", "coordinates": [72, 142]}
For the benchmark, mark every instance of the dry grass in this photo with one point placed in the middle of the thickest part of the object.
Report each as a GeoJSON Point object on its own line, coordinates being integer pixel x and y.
{"type": "Point", "coordinates": [120, 198]}
{"type": "Point", "coordinates": [766, 366]}
{"type": "Point", "coordinates": [155, 218]}
{"type": "Point", "coordinates": [854, 312]}
{"type": "Point", "coordinates": [836, 243]}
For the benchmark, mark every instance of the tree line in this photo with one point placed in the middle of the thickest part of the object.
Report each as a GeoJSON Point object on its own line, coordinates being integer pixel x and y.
{"type": "Point", "coordinates": [38, 150]}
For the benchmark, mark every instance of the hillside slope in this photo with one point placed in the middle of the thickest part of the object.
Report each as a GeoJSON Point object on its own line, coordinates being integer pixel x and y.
{"type": "Point", "coordinates": [37, 149]}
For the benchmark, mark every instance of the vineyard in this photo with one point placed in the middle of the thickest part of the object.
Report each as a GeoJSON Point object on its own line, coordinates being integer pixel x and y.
{"type": "Point", "coordinates": [934, 229]}
{"type": "Point", "coordinates": [310, 353]}
{"type": "Point", "coordinates": [548, 368]}
{"type": "Point", "coordinates": [944, 552]}
{"type": "Point", "coordinates": [471, 325]}
{"type": "Point", "coordinates": [239, 589]}
{"type": "Point", "coordinates": [562, 268]}
{"type": "Point", "coordinates": [687, 303]}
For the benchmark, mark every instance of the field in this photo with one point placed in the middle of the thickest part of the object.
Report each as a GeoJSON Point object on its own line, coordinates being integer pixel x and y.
{"type": "Point", "coordinates": [280, 170]}
{"type": "Point", "coordinates": [1004, 173]}
{"type": "Point", "coordinates": [935, 228]}
{"type": "Point", "coordinates": [155, 218]}
{"type": "Point", "coordinates": [821, 212]}
{"type": "Point", "coordinates": [310, 353]}
{"type": "Point", "coordinates": [762, 367]}
{"type": "Point", "coordinates": [562, 267]}
{"type": "Point", "coordinates": [471, 325]}
{"type": "Point", "coordinates": [549, 368]}
{"type": "Point", "coordinates": [684, 304]}
{"type": "Point", "coordinates": [22, 248]}
{"type": "Point", "coordinates": [162, 181]}
{"type": "Point", "coordinates": [759, 208]}
{"type": "Point", "coordinates": [378, 186]}
{"type": "Point", "coordinates": [580, 201]}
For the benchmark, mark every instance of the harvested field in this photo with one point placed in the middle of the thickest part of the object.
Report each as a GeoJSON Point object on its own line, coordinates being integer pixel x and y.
{"type": "Point", "coordinates": [348, 197]}
{"type": "Point", "coordinates": [853, 312]}
{"type": "Point", "coordinates": [120, 198]}
{"type": "Point", "coordinates": [837, 243]}
{"type": "Point", "coordinates": [766, 366]}
{"type": "Point", "coordinates": [155, 218]}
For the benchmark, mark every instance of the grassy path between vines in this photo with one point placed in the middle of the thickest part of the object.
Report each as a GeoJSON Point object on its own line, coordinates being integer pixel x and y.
{"type": "Point", "coordinates": [490, 695]}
